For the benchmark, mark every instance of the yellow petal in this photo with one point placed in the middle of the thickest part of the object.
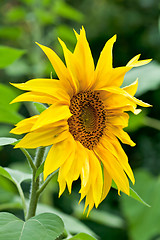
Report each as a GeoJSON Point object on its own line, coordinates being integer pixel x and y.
{"type": "Point", "coordinates": [85, 172]}
{"type": "Point", "coordinates": [80, 158]}
{"type": "Point", "coordinates": [112, 144]}
{"type": "Point", "coordinates": [114, 101]}
{"type": "Point", "coordinates": [132, 88]}
{"type": "Point", "coordinates": [90, 206]}
{"type": "Point", "coordinates": [43, 138]}
{"type": "Point", "coordinates": [86, 180]}
{"type": "Point", "coordinates": [83, 62]}
{"type": "Point", "coordinates": [67, 165]}
{"type": "Point", "coordinates": [113, 167]}
{"type": "Point", "coordinates": [47, 86]}
{"type": "Point", "coordinates": [105, 59]}
{"type": "Point", "coordinates": [57, 155]}
{"type": "Point", "coordinates": [70, 64]}
{"type": "Point", "coordinates": [75, 171]}
{"type": "Point", "coordinates": [133, 60]}
{"type": "Point", "coordinates": [104, 65]}
{"type": "Point", "coordinates": [35, 97]}
{"type": "Point", "coordinates": [135, 63]}
{"type": "Point", "coordinates": [89, 201]}
{"type": "Point", "coordinates": [59, 67]}
{"type": "Point", "coordinates": [107, 182]}
{"type": "Point", "coordinates": [62, 186]}
{"type": "Point", "coordinates": [119, 110]}
{"type": "Point", "coordinates": [24, 125]}
{"type": "Point", "coordinates": [122, 135]}
{"type": "Point", "coordinates": [118, 75]}
{"type": "Point", "coordinates": [91, 179]}
{"type": "Point", "coordinates": [142, 62]}
{"type": "Point", "coordinates": [118, 120]}
{"type": "Point", "coordinates": [97, 179]}
{"type": "Point", "coordinates": [54, 113]}
{"type": "Point", "coordinates": [122, 92]}
{"type": "Point", "coordinates": [114, 77]}
{"type": "Point", "coordinates": [137, 111]}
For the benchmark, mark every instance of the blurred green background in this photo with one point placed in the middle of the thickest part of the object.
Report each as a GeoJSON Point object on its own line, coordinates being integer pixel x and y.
{"type": "Point", "coordinates": [137, 23]}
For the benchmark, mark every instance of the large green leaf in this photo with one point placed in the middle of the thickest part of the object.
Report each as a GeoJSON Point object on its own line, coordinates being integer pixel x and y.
{"type": "Point", "coordinates": [143, 223]}
{"type": "Point", "coordinates": [82, 236]}
{"type": "Point", "coordinates": [148, 75]}
{"type": "Point", "coordinates": [72, 224]}
{"type": "Point", "coordinates": [133, 195]}
{"type": "Point", "coordinates": [46, 226]}
{"type": "Point", "coordinates": [8, 55]}
{"type": "Point", "coordinates": [15, 176]}
{"type": "Point", "coordinates": [13, 203]}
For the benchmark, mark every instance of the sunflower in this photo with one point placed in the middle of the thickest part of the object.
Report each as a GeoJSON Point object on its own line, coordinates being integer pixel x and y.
{"type": "Point", "coordinates": [84, 120]}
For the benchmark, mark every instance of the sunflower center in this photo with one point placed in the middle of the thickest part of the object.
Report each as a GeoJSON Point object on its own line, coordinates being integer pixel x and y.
{"type": "Point", "coordinates": [88, 120]}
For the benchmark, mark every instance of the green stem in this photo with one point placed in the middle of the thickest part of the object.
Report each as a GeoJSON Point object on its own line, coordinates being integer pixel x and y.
{"type": "Point", "coordinates": [42, 187]}
{"type": "Point", "coordinates": [29, 158]}
{"type": "Point", "coordinates": [35, 184]}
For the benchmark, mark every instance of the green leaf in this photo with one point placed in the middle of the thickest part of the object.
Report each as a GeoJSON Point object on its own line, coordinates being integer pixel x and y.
{"type": "Point", "coordinates": [8, 55]}
{"type": "Point", "coordinates": [82, 236]}
{"type": "Point", "coordinates": [7, 186]}
{"type": "Point", "coordinates": [8, 111]}
{"type": "Point", "coordinates": [72, 225]}
{"type": "Point", "coordinates": [7, 141]}
{"type": "Point", "coordinates": [46, 226]}
{"type": "Point", "coordinates": [13, 203]}
{"type": "Point", "coordinates": [8, 93]}
{"type": "Point", "coordinates": [5, 131]}
{"type": "Point", "coordinates": [15, 176]}
{"type": "Point", "coordinates": [39, 170]}
{"type": "Point", "coordinates": [40, 107]}
{"type": "Point", "coordinates": [8, 116]}
{"type": "Point", "coordinates": [148, 75]}
{"type": "Point", "coordinates": [143, 223]}
{"type": "Point", "coordinates": [133, 195]}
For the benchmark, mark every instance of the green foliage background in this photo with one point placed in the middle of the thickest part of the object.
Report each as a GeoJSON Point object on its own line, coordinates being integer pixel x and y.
{"type": "Point", "coordinates": [137, 23]}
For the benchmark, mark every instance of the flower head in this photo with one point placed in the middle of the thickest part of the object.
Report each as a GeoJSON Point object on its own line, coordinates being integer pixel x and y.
{"type": "Point", "coordinates": [84, 120]}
